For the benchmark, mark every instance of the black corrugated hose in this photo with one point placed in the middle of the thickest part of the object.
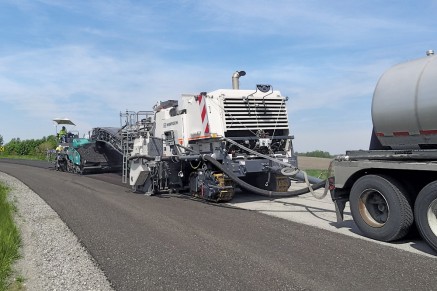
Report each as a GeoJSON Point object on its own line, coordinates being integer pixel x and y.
{"type": "Point", "coordinates": [262, 191]}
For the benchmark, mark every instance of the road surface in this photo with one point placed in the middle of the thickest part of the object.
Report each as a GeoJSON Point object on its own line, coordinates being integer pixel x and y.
{"type": "Point", "coordinates": [174, 242]}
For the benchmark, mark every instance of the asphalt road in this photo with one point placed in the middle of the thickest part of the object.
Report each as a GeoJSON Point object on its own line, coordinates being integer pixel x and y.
{"type": "Point", "coordinates": [174, 242]}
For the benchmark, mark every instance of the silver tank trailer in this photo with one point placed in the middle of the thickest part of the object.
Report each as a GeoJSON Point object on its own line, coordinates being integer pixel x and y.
{"type": "Point", "coordinates": [404, 107]}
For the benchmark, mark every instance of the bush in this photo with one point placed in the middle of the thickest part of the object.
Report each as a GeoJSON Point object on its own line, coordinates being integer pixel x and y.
{"type": "Point", "coordinates": [32, 147]}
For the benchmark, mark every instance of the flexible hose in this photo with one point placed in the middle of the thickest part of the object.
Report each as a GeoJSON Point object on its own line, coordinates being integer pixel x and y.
{"type": "Point", "coordinates": [166, 158]}
{"type": "Point", "coordinates": [249, 187]}
{"type": "Point", "coordinates": [259, 191]}
{"type": "Point", "coordinates": [187, 149]}
{"type": "Point", "coordinates": [301, 173]}
{"type": "Point", "coordinates": [147, 157]}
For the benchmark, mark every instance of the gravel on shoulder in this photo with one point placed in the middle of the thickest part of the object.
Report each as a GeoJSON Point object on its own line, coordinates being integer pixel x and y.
{"type": "Point", "coordinates": [52, 257]}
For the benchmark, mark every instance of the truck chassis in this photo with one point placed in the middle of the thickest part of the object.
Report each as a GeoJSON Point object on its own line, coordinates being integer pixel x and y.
{"type": "Point", "coordinates": [388, 190]}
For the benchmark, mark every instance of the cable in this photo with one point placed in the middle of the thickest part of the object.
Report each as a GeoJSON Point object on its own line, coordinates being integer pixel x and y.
{"type": "Point", "coordinates": [277, 118]}
{"type": "Point", "coordinates": [257, 153]}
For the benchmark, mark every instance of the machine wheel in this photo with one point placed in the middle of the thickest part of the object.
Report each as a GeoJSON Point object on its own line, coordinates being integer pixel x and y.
{"type": "Point", "coordinates": [78, 170]}
{"type": "Point", "coordinates": [380, 208]}
{"type": "Point", "coordinates": [425, 213]}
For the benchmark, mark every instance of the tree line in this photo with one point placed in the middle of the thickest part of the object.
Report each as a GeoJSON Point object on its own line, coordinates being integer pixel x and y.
{"type": "Point", "coordinates": [39, 147]}
{"type": "Point", "coordinates": [317, 154]}
{"type": "Point", "coordinates": [30, 147]}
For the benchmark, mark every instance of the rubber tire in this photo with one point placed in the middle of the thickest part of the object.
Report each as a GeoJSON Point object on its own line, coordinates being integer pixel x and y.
{"type": "Point", "coordinates": [400, 215]}
{"type": "Point", "coordinates": [426, 196]}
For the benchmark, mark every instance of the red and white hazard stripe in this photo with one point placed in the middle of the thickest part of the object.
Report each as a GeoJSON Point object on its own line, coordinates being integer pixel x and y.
{"type": "Point", "coordinates": [406, 133]}
{"type": "Point", "coordinates": [203, 113]}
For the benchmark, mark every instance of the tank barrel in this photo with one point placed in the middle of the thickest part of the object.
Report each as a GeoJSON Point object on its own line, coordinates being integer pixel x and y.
{"type": "Point", "coordinates": [403, 106]}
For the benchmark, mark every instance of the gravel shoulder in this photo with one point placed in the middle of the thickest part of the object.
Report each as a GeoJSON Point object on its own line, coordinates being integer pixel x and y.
{"type": "Point", "coordinates": [52, 257]}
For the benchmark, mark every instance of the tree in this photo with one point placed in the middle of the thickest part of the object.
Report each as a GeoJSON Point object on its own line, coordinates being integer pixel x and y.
{"type": "Point", "coordinates": [317, 154]}
{"type": "Point", "coordinates": [1, 140]}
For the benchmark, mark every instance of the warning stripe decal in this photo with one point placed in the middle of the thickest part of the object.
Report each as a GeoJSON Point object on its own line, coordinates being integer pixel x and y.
{"type": "Point", "coordinates": [401, 133]}
{"type": "Point", "coordinates": [428, 132]}
{"type": "Point", "coordinates": [203, 113]}
{"type": "Point", "coordinates": [406, 133]}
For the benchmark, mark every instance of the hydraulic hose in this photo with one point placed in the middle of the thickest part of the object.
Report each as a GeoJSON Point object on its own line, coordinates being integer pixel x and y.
{"type": "Point", "coordinates": [301, 177]}
{"type": "Point", "coordinates": [147, 157]}
{"type": "Point", "coordinates": [166, 158]}
{"type": "Point", "coordinates": [259, 191]}
{"type": "Point", "coordinates": [317, 183]}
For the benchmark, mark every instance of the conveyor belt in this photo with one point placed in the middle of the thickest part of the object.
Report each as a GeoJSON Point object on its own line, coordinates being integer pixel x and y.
{"type": "Point", "coordinates": [109, 135]}
{"type": "Point", "coordinates": [90, 154]}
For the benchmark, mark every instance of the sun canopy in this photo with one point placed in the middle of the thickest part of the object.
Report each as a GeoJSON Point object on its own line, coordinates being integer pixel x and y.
{"type": "Point", "coordinates": [63, 121]}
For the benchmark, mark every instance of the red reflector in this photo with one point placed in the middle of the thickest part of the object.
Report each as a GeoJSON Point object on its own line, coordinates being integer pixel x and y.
{"type": "Point", "coordinates": [401, 133]}
{"type": "Point", "coordinates": [428, 132]}
{"type": "Point", "coordinates": [379, 134]}
{"type": "Point", "coordinates": [331, 181]}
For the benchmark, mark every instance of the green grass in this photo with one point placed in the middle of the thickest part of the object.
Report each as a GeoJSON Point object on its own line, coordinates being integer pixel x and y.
{"type": "Point", "coordinates": [9, 238]}
{"type": "Point", "coordinates": [17, 284]}
{"type": "Point", "coordinates": [322, 174]}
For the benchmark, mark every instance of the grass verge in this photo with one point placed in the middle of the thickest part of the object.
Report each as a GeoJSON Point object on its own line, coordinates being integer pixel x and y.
{"type": "Point", "coordinates": [321, 174]}
{"type": "Point", "coordinates": [9, 238]}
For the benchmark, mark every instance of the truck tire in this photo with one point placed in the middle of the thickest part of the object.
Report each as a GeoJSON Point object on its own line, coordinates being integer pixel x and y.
{"type": "Point", "coordinates": [380, 208]}
{"type": "Point", "coordinates": [425, 213]}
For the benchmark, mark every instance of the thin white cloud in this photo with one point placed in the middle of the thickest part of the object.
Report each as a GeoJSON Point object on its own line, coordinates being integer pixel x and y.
{"type": "Point", "coordinates": [108, 56]}
{"type": "Point", "coordinates": [302, 18]}
{"type": "Point", "coordinates": [79, 83]}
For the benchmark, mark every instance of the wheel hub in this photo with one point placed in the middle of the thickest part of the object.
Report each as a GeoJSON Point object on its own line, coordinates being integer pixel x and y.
{"type": "Point", "coordinates": [373, 208]}
{"type": "Point", "coordinates": [432, 216]}
{"type": "Point", "coordinates": [381, 207]}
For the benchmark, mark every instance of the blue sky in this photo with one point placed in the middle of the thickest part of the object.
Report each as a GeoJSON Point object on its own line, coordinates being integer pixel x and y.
{"type": "Point", "coordinates": [89, 60]}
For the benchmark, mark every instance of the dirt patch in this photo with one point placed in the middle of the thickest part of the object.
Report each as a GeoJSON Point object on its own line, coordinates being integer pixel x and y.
{"type": "Point", "coordinates": [306, 163]}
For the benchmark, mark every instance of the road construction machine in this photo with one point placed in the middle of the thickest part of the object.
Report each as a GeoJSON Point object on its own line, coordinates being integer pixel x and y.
{"type": "Point", "coordinates": [209, 143]}
{"type": "Point", "coordinates": [82, 155]}
{"type": "Point", "coordinates": [394, 183]}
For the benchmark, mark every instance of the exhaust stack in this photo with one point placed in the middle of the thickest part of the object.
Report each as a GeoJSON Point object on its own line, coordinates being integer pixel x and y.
{"type": "Point", "coordinates": [236, 79]}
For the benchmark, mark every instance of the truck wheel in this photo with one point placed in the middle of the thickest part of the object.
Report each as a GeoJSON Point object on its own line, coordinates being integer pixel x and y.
{"type": "Point", "coordinates": [380, 208]}
{"type": "Point", "coordinates": [425, 213]}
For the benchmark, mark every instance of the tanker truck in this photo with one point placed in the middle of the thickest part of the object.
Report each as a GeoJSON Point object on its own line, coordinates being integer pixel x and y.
{"type": "Point", "coordinates": [393, 185]}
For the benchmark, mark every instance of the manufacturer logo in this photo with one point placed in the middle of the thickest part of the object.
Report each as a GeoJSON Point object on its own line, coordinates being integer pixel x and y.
{"type": "Point", "coordinates": [170, 124]}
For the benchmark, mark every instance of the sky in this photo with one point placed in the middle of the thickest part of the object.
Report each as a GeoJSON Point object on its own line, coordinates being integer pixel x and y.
{"type": "Point", "coordinates": [89, 60]}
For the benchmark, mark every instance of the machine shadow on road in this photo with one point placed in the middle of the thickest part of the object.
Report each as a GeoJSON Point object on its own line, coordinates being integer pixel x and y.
{"type": "Point", "coordinates": [321, 214]}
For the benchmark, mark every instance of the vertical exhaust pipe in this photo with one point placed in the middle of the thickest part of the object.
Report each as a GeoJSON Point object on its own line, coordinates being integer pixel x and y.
{"type": "Point", "coordinates": [236, 79]}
